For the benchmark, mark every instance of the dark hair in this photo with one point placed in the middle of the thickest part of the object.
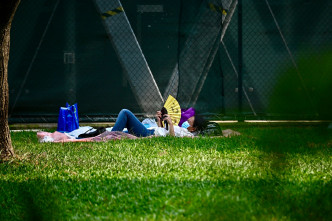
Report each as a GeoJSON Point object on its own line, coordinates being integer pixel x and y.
{"type": "Point", "coordinates": [200, 123]}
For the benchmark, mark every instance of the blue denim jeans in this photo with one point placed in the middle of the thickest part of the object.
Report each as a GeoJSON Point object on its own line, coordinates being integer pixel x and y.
{"type": "Point", "coordinates": [126, 119]}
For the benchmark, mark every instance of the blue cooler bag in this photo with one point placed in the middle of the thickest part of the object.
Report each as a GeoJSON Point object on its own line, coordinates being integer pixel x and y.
{"type": "Point", "coordinates": [68, 118]}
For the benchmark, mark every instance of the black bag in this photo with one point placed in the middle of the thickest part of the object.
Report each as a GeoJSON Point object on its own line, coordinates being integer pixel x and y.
{"type": "Point", "coordinates": [212, 129]}
{"type": "Point", "coordinates": [98, 131]}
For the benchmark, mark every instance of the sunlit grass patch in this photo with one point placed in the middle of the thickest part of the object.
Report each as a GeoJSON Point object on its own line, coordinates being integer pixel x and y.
{"type": "Point", "coordinates": [265, 174]}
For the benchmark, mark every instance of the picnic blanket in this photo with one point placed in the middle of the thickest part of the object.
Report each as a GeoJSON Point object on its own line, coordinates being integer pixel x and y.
{"type": "Point", "coordinates": [58, 137]}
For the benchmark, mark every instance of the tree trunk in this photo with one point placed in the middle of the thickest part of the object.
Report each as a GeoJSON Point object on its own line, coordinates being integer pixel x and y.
{"type": "Point", "coordinates": [7, 11]}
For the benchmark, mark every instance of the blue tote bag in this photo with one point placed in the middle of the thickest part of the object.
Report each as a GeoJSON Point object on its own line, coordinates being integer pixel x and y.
{"type": "Point", "coordinates": [68, 118]}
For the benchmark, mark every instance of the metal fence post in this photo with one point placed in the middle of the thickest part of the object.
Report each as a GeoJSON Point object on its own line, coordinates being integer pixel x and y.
{"type": "Point", "coordinates": [69, 51]}
{"type": "Point", "coordinates": [240, 57]}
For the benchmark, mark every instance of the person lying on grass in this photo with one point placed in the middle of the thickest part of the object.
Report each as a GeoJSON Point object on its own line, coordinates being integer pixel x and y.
{"type": "Point", "coordinates": [190, 124]}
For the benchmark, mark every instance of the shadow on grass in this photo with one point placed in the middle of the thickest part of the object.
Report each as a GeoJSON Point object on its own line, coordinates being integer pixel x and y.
{"type": "Point", "coordinates": [277, 143]}
{"type": "Point", "coordinates": [159, 199]}
{"type": "Point", "coordinates": [303, 200]}
{"type": "Point", "coordinates": [27, 201]}
{"type": "Point", "coordinates": [294, 139]}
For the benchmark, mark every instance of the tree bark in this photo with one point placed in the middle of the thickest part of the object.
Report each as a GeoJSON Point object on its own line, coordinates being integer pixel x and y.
{"type": "Point", "coordinates": [7, 11]}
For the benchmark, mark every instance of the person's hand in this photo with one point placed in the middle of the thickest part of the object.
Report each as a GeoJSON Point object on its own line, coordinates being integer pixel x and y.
{"type": "Point", "coordinates": [168, 119]}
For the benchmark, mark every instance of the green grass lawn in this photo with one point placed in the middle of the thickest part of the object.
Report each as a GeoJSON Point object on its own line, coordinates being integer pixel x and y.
{"type": "Point", "coordinates": [267, 173]}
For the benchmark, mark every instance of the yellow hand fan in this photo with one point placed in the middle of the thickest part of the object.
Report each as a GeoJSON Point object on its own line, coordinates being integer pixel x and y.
{"type": "Point", "coordinates": [172, 108]}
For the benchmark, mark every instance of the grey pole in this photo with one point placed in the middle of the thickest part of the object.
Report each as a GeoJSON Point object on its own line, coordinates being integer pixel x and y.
{"type": "Point", "coordinates": [69, 50]}
{"type": "Point", "coordinates": [240, 56]}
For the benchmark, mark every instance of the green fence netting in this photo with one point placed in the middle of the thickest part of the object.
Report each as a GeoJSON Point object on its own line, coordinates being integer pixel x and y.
{"type": "Point", "coordinates": [230, 59]}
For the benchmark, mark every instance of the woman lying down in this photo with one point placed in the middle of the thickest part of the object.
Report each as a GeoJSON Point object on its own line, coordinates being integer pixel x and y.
{"type": "Point", "coordinates": [190, 125]}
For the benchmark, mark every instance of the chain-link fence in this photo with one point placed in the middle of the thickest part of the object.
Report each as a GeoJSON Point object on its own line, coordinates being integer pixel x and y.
{"type": "Point", "coordinates": [227, 58]}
